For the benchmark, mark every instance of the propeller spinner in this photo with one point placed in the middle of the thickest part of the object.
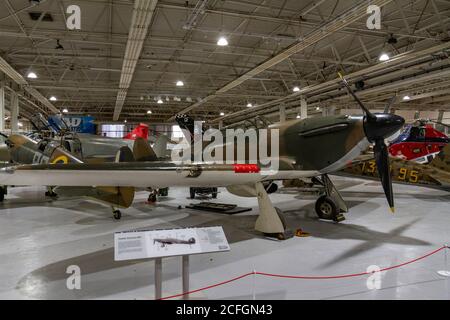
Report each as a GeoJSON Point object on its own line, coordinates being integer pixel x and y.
{"type": "Point", "coordinates": [379, 126]}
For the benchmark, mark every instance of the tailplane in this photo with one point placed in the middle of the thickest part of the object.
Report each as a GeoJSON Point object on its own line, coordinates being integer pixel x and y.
{"type": "Point", "coordinates": [142, 151]}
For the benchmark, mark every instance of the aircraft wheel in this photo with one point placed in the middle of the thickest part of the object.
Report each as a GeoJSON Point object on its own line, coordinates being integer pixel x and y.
{"type": "Point", "coordinates": [326, 208]}
{"type": "Point", "coordinates": [192, 193]}
{"type": "Point", "coordinates": [2, 194]}
{"type": "Point", "coordinates": [117, 214]}
{"type": "Point", "coordinates": [152, 197]}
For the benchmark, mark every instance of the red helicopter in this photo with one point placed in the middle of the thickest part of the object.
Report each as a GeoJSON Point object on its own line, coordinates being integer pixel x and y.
{"type": "Point", "coordinates": [418, 142]}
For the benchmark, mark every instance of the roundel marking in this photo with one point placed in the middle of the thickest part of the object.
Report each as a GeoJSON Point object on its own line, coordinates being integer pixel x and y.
{"type": "Point", "coordinates": [61, 159]}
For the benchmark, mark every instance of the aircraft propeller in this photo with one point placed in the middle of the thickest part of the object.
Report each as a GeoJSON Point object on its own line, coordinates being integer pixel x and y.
{"type": "Point", "coordinates": [377, 127]}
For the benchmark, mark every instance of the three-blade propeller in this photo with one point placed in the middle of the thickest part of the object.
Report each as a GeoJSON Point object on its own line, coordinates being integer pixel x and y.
{"type": "Point", "coordinates": [378, 127]}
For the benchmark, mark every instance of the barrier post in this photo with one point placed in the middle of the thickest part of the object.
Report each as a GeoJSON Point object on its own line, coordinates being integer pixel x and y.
{"type": "Point", "coordinates": [253, 285]}
{"type": "Point", "coordinates": [445, 273]}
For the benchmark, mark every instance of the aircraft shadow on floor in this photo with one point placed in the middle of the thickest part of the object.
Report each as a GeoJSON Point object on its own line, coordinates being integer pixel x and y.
{"type": "Point", "coordinates": [49, 281]}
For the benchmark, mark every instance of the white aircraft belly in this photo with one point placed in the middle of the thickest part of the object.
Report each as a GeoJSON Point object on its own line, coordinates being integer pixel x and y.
{"type": "Point", "coordinates": [141, 178]}
{"type": "Point", "coordinates": [132, 178]}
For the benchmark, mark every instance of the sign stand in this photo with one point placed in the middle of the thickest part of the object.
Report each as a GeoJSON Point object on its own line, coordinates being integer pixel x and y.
{"type": "Point", "coordinates": [158, 278]}
{"type": "Point", "coordinates": [184, 275]}
{"type": "Point", "coordinates": [161, 243]}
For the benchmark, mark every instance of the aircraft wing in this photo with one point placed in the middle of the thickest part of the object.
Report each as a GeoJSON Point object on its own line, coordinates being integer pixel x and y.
{"type": "Point", "coordinates": [130, 174]}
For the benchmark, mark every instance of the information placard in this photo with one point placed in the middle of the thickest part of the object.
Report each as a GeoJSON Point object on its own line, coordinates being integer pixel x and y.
{"type": "Point", "coordinates": [130, 245]}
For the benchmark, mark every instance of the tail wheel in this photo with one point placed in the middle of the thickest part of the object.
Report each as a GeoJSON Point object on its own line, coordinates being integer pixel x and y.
{"type": "Point", "coordinates": [117, 214]}
{"type": "Point", "coordinates": [326, 208]}
{"type": "Point", "coordinates": [152, 197]}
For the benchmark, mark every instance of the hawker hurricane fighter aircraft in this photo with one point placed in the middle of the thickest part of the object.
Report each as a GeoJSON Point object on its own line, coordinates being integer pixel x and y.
{"type": "Point", "coordinates": [307, 148]}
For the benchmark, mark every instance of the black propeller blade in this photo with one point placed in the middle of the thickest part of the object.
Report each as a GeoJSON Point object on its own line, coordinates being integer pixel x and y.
{"type": "Point", "coordinates": [370, 115]}
{"type": "Point", "coordinates": [378, 127]}
{"type": "Point", "coordinates": [382, 160]}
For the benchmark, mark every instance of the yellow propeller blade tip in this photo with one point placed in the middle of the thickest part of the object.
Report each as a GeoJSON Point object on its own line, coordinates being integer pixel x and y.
{"type": "Point", "coordinates": [392, 209]}
{"type": "Point", "coordinates": [340, 75]}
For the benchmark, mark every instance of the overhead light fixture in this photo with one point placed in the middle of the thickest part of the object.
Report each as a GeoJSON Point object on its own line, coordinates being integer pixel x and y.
{"type": "Point", "coordinates": [65, 110]}
{"type": "Point", "coordinates": [189, 99]}
{"type": "Point", "coordinates": [125, 120]}
{"type": "Point", "coordinates": [31, 75]}
{"type": "Point", "coordinates": [149, 112]}
{"type": "Point", "coordinates": [53, 98]}
{"type": "Point", "coordinates": [383, 57]}
{"type": "Point", "coordinates": [159, 101]}
{"type": "Point", "coordinates": [317, 108]}
{"type": "Point", "coordinates": [296, 89]}
{"type": "Point", "coordinates": [222, 113]}
{"type": "Point", "coordinates": [222, 42]}
{"type": "Point", "coordinates": [180, 83]}
{"type": "Point", "coordinates": [142, 98]}
{"type": "Point", "coordinates": [249, 105]}
{"type": "Point", "coordinates": [298, 116]}
{"type": "Point", "coordinates": [405, 98]}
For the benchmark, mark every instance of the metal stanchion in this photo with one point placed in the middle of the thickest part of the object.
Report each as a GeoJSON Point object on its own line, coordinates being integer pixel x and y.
{"type": "Point", "coordinates": [445, 273]}
{"type": "Point", "coordinates": [185, 275]}
{"type": "Point", "coordinates": [158, 278]}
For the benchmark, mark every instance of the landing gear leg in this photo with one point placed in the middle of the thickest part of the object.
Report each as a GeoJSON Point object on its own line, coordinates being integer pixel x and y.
{"type": "Point", "coordinates": [330, 205]}
{"type": "Point", "coordinates": [3, 191]}
{"type": "Point", "coordinates": [117, 214]}
{"type": "Point", "coordinates": [50, 193]}
{"type": "Point", "coordinates": [270, 220]}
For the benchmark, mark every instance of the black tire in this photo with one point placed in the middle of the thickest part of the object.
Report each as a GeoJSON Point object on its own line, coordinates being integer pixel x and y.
{"type": "Point", "coordinates": [117, 214]}
{"type": "Point", "coordinates": [152, 197]}
{"type": "Point", "coordinates": [2, 194]}
{"type": "Point", "coordinates": [326, 208]}
{"type": "Point", "coordinates": [192, 193]}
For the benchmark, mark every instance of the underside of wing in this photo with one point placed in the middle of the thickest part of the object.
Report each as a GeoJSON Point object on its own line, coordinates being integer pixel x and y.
{"type": "Point", "coordinates": [130, 174]}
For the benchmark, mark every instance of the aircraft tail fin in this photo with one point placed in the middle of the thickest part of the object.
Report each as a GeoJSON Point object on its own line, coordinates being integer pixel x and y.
{"type": "Point", "coordinates": [124, 155]}
{"type": "Point", "coordinates": [141, 131]}
{"type": "Point", "coordinates": [442, 160]}
{"type": "Point", "coordinates": [142, 151]}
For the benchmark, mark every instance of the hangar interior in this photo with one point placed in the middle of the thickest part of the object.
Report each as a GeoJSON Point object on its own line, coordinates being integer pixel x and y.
{"type": "Point", "coordinates": [228, 64]}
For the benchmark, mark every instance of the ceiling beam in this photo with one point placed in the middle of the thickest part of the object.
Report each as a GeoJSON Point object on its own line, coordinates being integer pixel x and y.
{"type": "Point", "coordinates": [315, 36]}
{"type": "Point", "coordinates": [142, 16]}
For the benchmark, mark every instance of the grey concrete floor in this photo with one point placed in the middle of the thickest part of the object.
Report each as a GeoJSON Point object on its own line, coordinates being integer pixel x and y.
{"type": "Point", "coordinates": [40, 238]}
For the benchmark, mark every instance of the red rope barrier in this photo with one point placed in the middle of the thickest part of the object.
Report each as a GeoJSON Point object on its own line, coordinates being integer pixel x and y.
{"type": "Point", "coordinates": [304, 277]}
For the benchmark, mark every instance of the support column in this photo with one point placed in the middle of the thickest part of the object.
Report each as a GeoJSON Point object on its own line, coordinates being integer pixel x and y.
{"type": "Point", "coordinates": [417, 115]}
{"type": "Point", "coordinates": [282, 113]}
{"type": "Point", "coordinates": [220, 124]}
{"type": "Point", "coordinates": [2, 105]}
{"type": "Point", "coordinates": [14, 112]}
{"type": "Point", "coordinates": [303, 109]}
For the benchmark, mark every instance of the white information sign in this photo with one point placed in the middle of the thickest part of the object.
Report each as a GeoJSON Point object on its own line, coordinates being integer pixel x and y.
{"type": "Point", "coordinates": [132, 245]}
